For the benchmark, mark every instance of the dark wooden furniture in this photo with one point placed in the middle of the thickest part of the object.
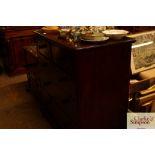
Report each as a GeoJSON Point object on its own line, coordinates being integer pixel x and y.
{"type": "Point", "coordinates": [14, 38]}
{"type": "Point", "coordinates": [82, 85]}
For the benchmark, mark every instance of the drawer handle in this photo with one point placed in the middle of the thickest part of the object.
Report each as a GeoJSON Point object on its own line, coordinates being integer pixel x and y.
{"type": "Point", "coordinates": [66, 101]}
{"type": "Point", "coordinates": [42, 46]}
{"type": "Point", "coordinates": [47, 83]}
{"type": "Point", "coordinates": [44, 64]}
{"type": "Point", "coordinates": [63, 79]}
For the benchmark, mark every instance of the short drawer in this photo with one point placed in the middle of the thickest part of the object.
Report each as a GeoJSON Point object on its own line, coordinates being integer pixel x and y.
{"type": "Point", "coordinates": [57, 115]}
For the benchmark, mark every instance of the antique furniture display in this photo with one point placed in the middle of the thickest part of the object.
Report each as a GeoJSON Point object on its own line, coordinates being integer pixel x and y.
{"type": "Point", "coordinates": [142, 88]}
{"type": "Point", "coordinates": [82, 84]}
{"type": "Point", "coordinates": [136, 29]}
{"type": "Point", "coordinates": [14, 38]}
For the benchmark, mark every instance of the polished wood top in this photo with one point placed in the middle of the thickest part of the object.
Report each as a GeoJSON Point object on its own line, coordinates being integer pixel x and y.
{"type": "Point", "coordinates": [17, 31]}
{"type": "Point", "coordinates": [81, 45]}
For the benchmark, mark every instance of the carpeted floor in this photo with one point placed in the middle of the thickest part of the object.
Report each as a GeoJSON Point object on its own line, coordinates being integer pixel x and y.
{"type": "Point", "coordinates": [18, 108]}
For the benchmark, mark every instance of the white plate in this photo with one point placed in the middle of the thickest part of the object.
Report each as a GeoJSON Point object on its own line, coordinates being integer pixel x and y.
{"type": "Point", "coordinates": [96, 40]}
{"type": "Point", "coordinates": [115, 34]}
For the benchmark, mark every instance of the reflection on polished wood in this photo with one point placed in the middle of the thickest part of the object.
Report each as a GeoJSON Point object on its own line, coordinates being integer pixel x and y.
{"type": "Point", "coordinates": [81, 45]}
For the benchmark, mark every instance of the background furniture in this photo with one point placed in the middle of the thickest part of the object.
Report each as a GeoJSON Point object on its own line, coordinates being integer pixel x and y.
{"type": "Point", "coordinates": [136, 29]}
{"type": "Point", "coordinates": [142, 92]}
{"type": "Point", "coordinates": [14, 38]}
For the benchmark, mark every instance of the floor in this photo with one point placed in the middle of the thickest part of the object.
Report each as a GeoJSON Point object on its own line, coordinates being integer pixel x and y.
{"type": "Point", "coordinates": [18, 108]}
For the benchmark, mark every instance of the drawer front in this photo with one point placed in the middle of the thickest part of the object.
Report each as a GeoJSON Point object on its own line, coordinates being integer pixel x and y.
{"type": "Point", "coordinates": [57, 115]}
{"type": "Point", "coordinates": [63, 58]}
{"type": "Point", "coordinates": [43, 48]}
{"type": "Point", "coordinates": [69, 106]}
{"type": "Point", "coordinates": [61, 93]}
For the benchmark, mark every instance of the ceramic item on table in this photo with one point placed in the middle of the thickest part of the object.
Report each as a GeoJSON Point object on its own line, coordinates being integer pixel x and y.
{"type": "Point", "coordinates": [115, 34]}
